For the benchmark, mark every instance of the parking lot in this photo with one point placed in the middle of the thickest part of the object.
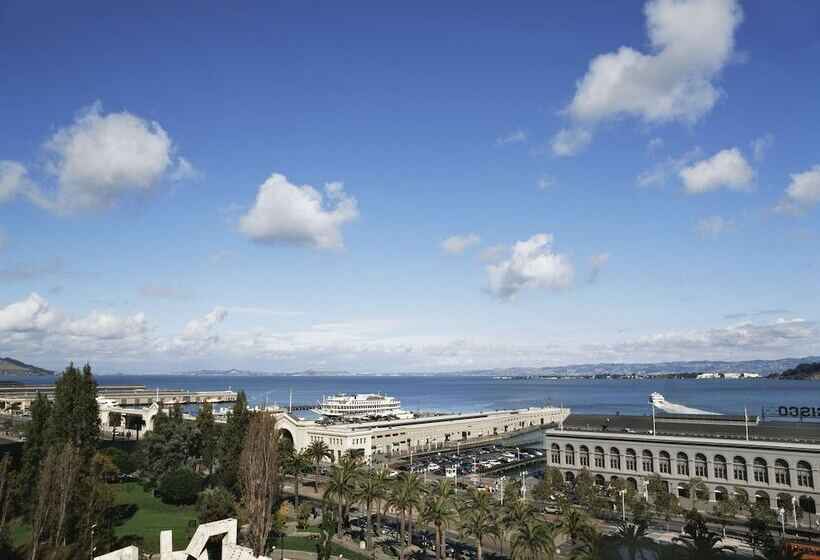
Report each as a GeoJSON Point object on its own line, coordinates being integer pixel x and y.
{"type": "Point", "coordinates": [476, 460]}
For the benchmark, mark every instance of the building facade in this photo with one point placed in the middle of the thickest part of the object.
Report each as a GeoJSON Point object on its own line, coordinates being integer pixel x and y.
{"type": "Point", "coordinates": [762, 469]}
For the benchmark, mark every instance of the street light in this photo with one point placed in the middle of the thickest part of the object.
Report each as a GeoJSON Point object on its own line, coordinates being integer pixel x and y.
{"type": "Point", "coordinates": [794, 512]}
{"type": "Point", "coordinates": [524, 485]}
{"type": "Point", "coordinates": [782, 513]}
{"type": "Point", "coordinates": [622, 492]}
{"type": "Point", "coordinates": [518, 451]}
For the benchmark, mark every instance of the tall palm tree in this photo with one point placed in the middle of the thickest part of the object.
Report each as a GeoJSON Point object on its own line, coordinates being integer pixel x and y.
{"type": "Point", "coordinates": [296, 464]}
{"type": "Point", "coordinates": [633, 537]}
{"type": "Point", "coordinates": [415, 490]}
{"type": "Point", "coordinates": [340, 488]}
{"type": "Point", "coordinates": [571, 523]}
{"type": "Point", "coordinates": [439, 508]}
{"type": "Point", "coordinates": [532, 541]}
{"type": "Point", "coordinates": [591, 545]}
{"type": "Point", "coordinates": [399, 498]}
{"type": "Point", "coordinates": [699, 543]}
{"type": "Point", "coordinates": [514, 514]}
{"type": "Point", "coordinates": [382, 479]}
{"type": "Point", "coordinates": [479, 523]}
{"type": "Point", "coordinates": [317, 451]}
{"type": "Point", "coordinates": [368, 490]}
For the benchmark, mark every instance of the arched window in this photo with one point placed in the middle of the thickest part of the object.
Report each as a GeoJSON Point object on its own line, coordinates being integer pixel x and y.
{"type": "Point", "coordinates": [781, 473]}
{"type": "Point", "coordinates": [569, 455]}
{"type": "Point", "coordinates": [648, 462]}
{"type": "Point", "coordinates": [584, 456]}
{"type": "Point", "coordinates": [700, 465]}
{"type": "Point", "coordinates": [804, 475]}
{"type": "Point", "coordinates": [719, 467]}
{"type": "Point", "coordinates": [569, 476]}
{"type": "Point", "coordinates": [762, 498]}
{"type": "Point", "coordinates": [599, 480]}
{"type": "Point", "coordinates": [664, 463]}
{"type": "Point", "coordinates": [632, 483]}
{"type": "Point", "coordinates": [631, 460]}
{"type": "Point", "coordinates": [761, 470]}
{"type": "Point", "coordinates": [739, 468]}
{"type": "Point", "coordinates": [683, 464]}
{"type": "Point", "coordinates": [720, 493]}
{"type": "Point", "coordinates": [599, 457]}
{"type": "Point", "coordinates": [555, 453]}
{"type": "Point", "coordinates": [614, 459]}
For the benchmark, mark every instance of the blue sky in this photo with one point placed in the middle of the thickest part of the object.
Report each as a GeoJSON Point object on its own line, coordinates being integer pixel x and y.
{"type": "Point", "coordinates": [490, 184]}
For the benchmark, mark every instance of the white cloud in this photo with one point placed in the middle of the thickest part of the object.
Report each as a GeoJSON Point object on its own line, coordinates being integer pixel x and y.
{"type": "Point", "coordinates": [285, 213]}
{"type": "Point", "coordinates": [2, 240]}
{"type": "Point", "coordinates": [517, 136]}
{"type": "Point", "coordinates": [101, 325]}
{"type": "Point", "coordinates": [654, 144]}
{"type": "Point", "coordinates": [570, 141]}
{"type": "Point", "coordinates": [457, 244]}
{"type": "Point", "coordinates": [760, 146]}
{"type": "Point", "coordinates": [691, 41]}
{"type": "Point", "coordinates": [803, 191]}
{"type": "Point", "coordinates": [714, 226]}
{"type": "Point", "coordinates": [201, 327]}
{"type": "Point", "coordinates": [218, 257]}
{"type": "Point", "coordinates": [658, 174]}
{"type": "Point", "coordinates": [727, 168]}
{"type": "Point", "coordinates": [531, 266]}
{"type": "Point", "coordinates": [30, 314]}
{"type": "Point", "coordinates": [185, 171]}
{"type": "Point", "coordinates": [545, 182]}
{"type": "Point", "coordinates": [596, 263]}
{"type": "Point", "coordinates": [493, 253]}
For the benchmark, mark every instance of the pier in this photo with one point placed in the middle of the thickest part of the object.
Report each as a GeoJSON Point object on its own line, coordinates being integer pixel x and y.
{"type": "Point", "coordinates": [20, 397]}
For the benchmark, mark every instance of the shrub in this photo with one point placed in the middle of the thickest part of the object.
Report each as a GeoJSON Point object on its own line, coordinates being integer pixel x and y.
{"type": "Point", "coordinates": [179, 487]}
{"type": "Point", "coordinates": [215, 504]}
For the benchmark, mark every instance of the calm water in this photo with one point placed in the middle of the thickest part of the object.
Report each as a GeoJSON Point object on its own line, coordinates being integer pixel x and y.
{"type": "Point", "coordinates": [445, 393]}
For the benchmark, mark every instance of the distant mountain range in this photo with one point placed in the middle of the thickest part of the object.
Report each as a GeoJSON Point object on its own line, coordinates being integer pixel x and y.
{"type": "Point", "coordinates": [10, 366]}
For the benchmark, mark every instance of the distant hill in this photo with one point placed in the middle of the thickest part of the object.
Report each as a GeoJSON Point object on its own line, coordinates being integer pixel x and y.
{"type": "Point", "coordinates": [10, 366]}
{"type": "Point", "coordinates": [809, 371]}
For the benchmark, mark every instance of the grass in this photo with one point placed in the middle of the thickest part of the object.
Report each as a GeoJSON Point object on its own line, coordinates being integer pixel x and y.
{"type": "Point", "coordinates": [152, 517]}
{"type": "Point", "coordinates": [308, 544]}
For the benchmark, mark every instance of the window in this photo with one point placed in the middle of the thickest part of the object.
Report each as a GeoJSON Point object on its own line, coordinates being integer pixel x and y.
{"type": "Point", "coordinates": [719, 467]}
{"type": "Point", "coordinates": [781, 473]}
{"type": "Point", "coordinates": [804, 476]}
{"type": "Point", "coordinates": [683, 464]}
{"type": "Point", "coordinates": [740, 469]}
{"type": "Point", "coordinates": [648, 463]}
{"type": "Point", "coordinates": [569, 455]}
{"type": "Point", "coordinates": [584, 456]}
{"type": "Point", "coordinates": [631, 460]}
{"type": "Point", "coordinates": [599, 457]}
{"type": "Point", "coordinates": [700, 466]}
{"type": "Point", "coordinates": [556, 453]}
{"type": "Point", "coordinates": [664, 463]}
{"type": "Point", "coordinates": [761, 470]}
{"type": "Point", "coordinates": [614, 459]}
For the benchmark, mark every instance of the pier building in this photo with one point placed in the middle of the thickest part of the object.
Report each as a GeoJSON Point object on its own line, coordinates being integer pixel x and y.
{"type": "Point", "coordinates": [388, 438]}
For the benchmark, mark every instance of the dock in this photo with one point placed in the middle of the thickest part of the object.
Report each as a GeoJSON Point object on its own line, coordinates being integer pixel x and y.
{"type": "Point", "coordinates": [20, 397]}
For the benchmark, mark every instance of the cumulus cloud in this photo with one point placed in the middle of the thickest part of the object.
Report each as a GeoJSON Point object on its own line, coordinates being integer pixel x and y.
{"type": "Point", "coordinates": [493, 253]}
{"type": "Point", "coordinates": [691, 41]}
{"type": "Point", "coordinates": [102, 325]}
{"type": "Point", "coordinates": [596, 263]}
{"type": "Point", "coordinates": [727, 168]}
{"type": "Point", "coordinates": [517, 136]}
{"type": "Point", "coordinates": [30, 314]}
{"type": "Point", "coordinates": [532, 266]}
{"type": "Point", "coordinates": [185, 171]}
{"type": "Point", "coordinates": [288, 214]}
{"type": "Point", "coordinates": [570, 141]}
{"type": "Point", "coordinates": [658, 174]}
{"type": "Point", "coordinates": [761, 145]}
{"type": "Point", "coordinates": [95, 162]}
{"type": "Point", "coordinates": [803, 191]}
{"type": "Point", "coordinates": [457, 244]}
{"type": "Point", "coordinates": [714, 226]}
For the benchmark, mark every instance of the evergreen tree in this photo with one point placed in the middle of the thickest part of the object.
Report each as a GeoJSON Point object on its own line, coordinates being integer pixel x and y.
{"type": "Point", "coordinates": [75, 414]}
{"type": "Point", "coordinates": [34, 448]}
{"type": "Point", "coordinates": [231, 443]}
{"type": "Point", "coordinates": [207, 436]}
{"type": "Point", "coordinates": [171, 445]}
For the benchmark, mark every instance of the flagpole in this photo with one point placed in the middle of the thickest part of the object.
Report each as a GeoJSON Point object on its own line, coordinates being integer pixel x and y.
{"type": "Point", "coordinates": [654, 432]}
{"type": "Point", "coordinates": [746, 421]}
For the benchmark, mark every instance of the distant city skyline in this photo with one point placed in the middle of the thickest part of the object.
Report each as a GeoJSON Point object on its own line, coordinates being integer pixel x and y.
{"type": "Point", "coordinates": [408, 187]}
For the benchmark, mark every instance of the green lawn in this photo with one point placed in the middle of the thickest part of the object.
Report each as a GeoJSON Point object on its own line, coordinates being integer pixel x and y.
{"type": "Point", "coordinates": [308, 544]}
{"type": "Point", "coordinates": [152, 517]}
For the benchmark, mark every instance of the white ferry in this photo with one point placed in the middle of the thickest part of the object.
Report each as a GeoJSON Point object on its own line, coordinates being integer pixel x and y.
{"type": "Point", "coordinates": [360, 406]}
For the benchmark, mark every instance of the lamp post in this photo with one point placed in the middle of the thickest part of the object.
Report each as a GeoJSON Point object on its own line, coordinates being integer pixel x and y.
{"type": "Point", "coordinates": [524, 485]}
{"type": "Point", "coordinates": [782, 513]}
{"type": "Point", "coordinates": [518, 451]}
{"type": "Point", "coordinates": [622, 492]}
{"type": "Point", "coordinates": [794, 512]}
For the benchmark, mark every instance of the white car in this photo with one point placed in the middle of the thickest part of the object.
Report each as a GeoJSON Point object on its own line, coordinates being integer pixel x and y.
{"type": "Point", "coordinates": [432, 467]}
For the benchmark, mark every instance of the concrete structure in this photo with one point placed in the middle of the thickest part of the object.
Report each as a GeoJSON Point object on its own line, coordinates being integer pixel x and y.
{"type": "Point", "coordinates": [727, 464]}
{"type": "Point", "coordinates": [127, 553]}
{"type": "Point", "coordinates": [121, 418]}
{"type": "Point", "coordinates": [392, 437]}
{"type": "Point", "coordinates": [19, 397]}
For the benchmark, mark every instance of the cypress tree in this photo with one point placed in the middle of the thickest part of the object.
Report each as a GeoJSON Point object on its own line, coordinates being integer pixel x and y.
{"type": "Point", "coordinates": [207, 435]}
{"type": "Point", "coordinates": [231, 443]}
{"type": "Point", "coordinates": [34, 447]}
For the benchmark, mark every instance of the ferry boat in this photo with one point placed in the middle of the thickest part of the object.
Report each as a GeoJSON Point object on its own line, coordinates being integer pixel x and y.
{"type": "Point", "coordinates": [361, 405]}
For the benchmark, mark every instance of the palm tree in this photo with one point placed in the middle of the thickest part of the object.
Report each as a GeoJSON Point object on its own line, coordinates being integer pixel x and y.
{"type": "Point", "coordinates": [479, 523]}
{"type": "Point", "coordinates": [317, 451]}
{"type": "Point", "coordinates": [382, 479]}
{"type": "Point", "coordinates": [634, 538]}
{"type": "Point", "coordinates": [399, 499]}
{"type": "Point", "coordinates": [340, 489]}
{"type": "Point", "coordinates": [697, 490]}
{"type": "Point", "coordinates": [415, 490]}
{"type": "Point", "coordinates": [699, 543]}
{"type": "Point", "coordinates": [591, 545]}
{"type": "Point", "coordinates": [514, 514]}
{"type": "Point", "coordinates": [367, 492]}
{"type": "Point", "coordinates": [532, 541]}
{"type": "Point", "coordinates": [571, 523]}
{"type": "Point", "coordinates": [440, 509]}
{"type": "Point", "coordinates": [297, 464]}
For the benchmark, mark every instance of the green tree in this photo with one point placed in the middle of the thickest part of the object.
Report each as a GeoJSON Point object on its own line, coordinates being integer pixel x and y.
{"type": "Point", "coordinates": [726, 509]}
{"type": "Point", "coordinates": [169, 446]}
{"type": "Point", "coordinates": [75, 414]}
{"type": "Point", "coordinates": [550, 487]}
{"type": "Point", "coordinates": [759, 537]}
{"type": "Point", "coordinates": [571, 523]}
{"type": "Point", "coordinates": [324, 542]}
{"type": "Point", "coordinates": [633, 537]}
{"type": "Point", "coordinates": [697, 490]}
{"type": "Point", "coordinates": [34, 448]}
{"type": "Point", "coordinates": [592, 545]}
{"type": "Point", "coordinates": [318, 451]}
{"type": "Point", "coordinates": [367, 491]}
{"type": "Point", "coordinates": [402, 497]}
{"type": "Point", "coordinates": [382, 477]}
{"type": "Point", "coordinates": [296, 464]}
{"type": "Point", "coordinates": [699, 543]}
{"type": "Point", "coordinates": [215, 504]}
{"type": "Point", "coordinates": [479, 521]}
{"type": "Point", "coordinates": [532, 541]}
{"type": "Point", "coordinates": [439, 508]}
{"type": "Point", "coordinates": [179, 487]}
{"type": "Point", "coordinates": [207, 436]}
{"type": "Point", "coordinates": [229, 448]}
{"type": "Point", "coordinates": [340, 489]}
